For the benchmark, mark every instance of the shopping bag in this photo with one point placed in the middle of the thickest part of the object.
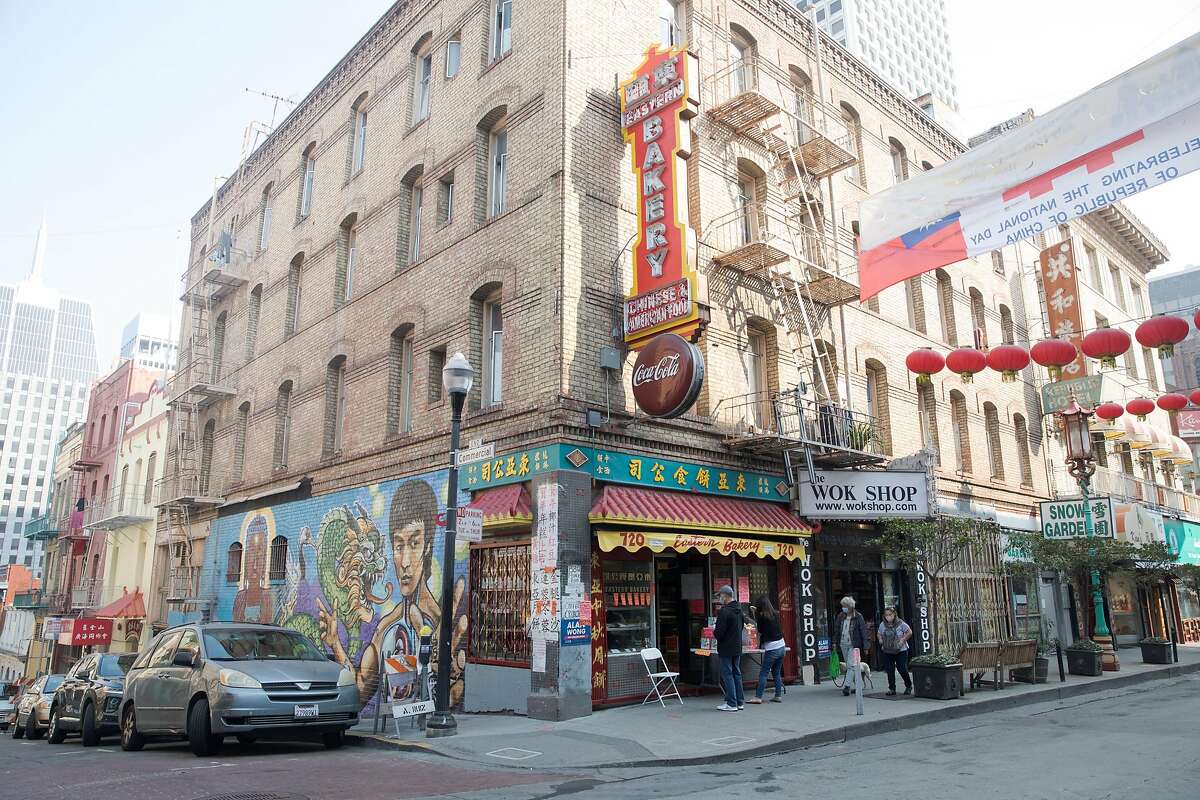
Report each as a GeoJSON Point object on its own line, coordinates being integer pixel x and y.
{"type": "Point", "coordinates": [835, 666]}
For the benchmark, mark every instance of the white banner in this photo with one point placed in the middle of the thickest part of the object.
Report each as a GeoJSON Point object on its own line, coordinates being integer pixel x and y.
{"type": "Point", "coordinates": [837, 494]}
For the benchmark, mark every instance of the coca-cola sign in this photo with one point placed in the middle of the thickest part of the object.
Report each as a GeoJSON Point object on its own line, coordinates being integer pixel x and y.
{"type": "Point", "coordinates": [667, 376]}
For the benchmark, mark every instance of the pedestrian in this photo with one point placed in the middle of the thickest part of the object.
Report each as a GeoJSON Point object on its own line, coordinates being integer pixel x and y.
{"type": "Point", "coordinates": [770, 636]}
{"type": "Point", "coordinates": [850, 632]}
{"type": "Point", "coordinates": [894, 634]}
{"type": "Point", "coordinates": [731, 626]}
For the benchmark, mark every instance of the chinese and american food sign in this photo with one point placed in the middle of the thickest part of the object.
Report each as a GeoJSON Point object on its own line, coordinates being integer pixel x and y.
{"type": "Point", "coordinates": [656, 104]}
{"type": "Point", "coordinates": [1060, 283]}
{"type": "Point", "coordinates": [84, 632]}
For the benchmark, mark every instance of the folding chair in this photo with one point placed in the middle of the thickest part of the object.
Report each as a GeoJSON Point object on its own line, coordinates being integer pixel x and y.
{"type": "Point", "coordinates": [650, 657]}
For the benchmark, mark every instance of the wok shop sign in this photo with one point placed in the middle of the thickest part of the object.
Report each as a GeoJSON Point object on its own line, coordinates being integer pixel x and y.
{"type": "Point", "coordinates": [836, 494]}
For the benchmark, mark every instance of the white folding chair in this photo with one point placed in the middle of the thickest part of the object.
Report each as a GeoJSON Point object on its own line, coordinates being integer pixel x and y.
{"type": "Point", "coordinates": [651, 656]}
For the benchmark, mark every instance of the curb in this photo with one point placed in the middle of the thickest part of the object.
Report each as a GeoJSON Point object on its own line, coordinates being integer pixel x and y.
{"type": "Point", "coordinates": [835, 735]}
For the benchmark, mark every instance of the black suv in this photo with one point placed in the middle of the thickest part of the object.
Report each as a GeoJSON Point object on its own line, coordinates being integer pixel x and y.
{"type": "Point", "coordinates": [88, 698]}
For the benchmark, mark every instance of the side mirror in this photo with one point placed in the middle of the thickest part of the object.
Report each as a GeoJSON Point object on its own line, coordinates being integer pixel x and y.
{"type": "Point", "coordinates": [184, 658]}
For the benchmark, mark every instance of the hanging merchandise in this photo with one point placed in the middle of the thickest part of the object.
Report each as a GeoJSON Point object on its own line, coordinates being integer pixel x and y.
{"type": "Point", "coordinates": [1106, 344]}
{"type": "Point", "coordinates": [1053, 354]}
{"type": "Point", "coordinates": [1008, 360]}
{"type": "Point", "coordinates": [965, 362]}
{"type": "Point", "coordinates": [1172, 401]}
{"type": "Point", "coordinates": [925, 362]}
{"type": "Point", "coordinates": [1140, 406]}
{"type": "Point", "coordinates": [1164, 332]}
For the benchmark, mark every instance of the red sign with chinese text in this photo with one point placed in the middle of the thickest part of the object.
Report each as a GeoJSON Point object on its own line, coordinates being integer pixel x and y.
{"type": "Point", "coordinates": [655, 106]}
{"type": "Point", "coordinates": [1060, 286]}
{"type": "Point", "coordinates": [85, 632]}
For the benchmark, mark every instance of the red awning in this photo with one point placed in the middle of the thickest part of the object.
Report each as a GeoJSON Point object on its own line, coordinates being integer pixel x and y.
{"type": "Point", "coordinates": [504, 506]}
{"type": "Point", "coordinates": [127, 605]}
{"type": "Point", "coordinates": [625, 505]}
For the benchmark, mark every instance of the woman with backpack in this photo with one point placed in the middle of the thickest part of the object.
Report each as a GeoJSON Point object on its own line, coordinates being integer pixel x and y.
{"type": "Point", "coordinates": [770, 637]}
{"type": "Point", "coordinates": [893, 635]}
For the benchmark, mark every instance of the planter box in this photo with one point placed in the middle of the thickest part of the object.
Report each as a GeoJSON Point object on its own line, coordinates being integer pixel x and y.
{"type": "Point", "coordinates": [1083, 662]}
{"type": "Point", "coordinates": [1035, 674]}
{"type": "Point", "coordinates": [937, 683]}
{"type": "Point", "coordinates": [1153, 653]}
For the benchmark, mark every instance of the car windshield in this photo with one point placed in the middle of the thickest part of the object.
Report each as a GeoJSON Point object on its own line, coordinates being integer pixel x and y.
{"type": "Point", "coordinates": [249, 644]}
{"type": "Point", "coordinates": [52, 683]}
{"type": "Point", "coordinates": [115, 666]}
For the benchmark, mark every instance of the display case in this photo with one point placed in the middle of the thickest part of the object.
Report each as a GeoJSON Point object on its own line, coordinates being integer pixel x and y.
{"type": "Point", "coordinates": [628, 601]}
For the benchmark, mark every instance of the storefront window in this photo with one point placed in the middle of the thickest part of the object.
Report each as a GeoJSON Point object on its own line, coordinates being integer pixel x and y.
{"type": "Point", "coordinates": [500, 604]}
{"type": "Point", "coordinates": [628, 590]}
{"type": "Point", "coordinates": [1189, 603]}
{"type": "Point", "coordinates": [1124, 608]}
{"type": "Point", "coordinates": [1026, 609]}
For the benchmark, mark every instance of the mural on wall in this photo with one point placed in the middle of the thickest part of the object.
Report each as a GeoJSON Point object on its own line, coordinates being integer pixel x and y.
{"type": "Point", "coordinates": [362, 574]}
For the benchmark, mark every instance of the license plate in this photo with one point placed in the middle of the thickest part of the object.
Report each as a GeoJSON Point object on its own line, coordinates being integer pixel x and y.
{"type": "Point", "coordinates": [308, 711]}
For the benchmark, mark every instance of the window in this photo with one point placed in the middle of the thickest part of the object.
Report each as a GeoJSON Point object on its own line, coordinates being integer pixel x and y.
{"type": "Point", "coordinates": [408, 234]}
{"type": "Point", "coordinates": [335, 406]}
{"type": "Point", "coordinates": [991, 422]}
{"type": "Point", "coordinates": [1139, 300]}
{"type": "Point", "coordinates": [1007, 332]}
{"type": "Point", "coordinates": [946, 305]}
{"type": "Point", "coordinates": [899, 160]}
{"type": "Point", "coordinates": [670, 24]}
{"type": "Point", "coordinates": [189, 643]}
{"type": "Point", "coordinates": [499, 580]}
{"type": "Point", "coordinates": [283, 408]}
{"type": "Point", "coordinates": [1131, 364]}
{"type": "Point", "coordinates": [1118, 285]}
{"type": "Point", "coordinates": [206, 454]}
{"type": "Point", "coordinates": [748, 194]}
{"type": "Point", "coordinates": [825, 374]}
{"type": "Point", "coordinates": [239, 442]}
{"type": "Point", "coordinates": [453, 54]}
{"type": "Point", "coordinates": [501, 28]}
{"type": "Point", "coordinates": [422, 79]}
{"type": "Point", "coordinates": [1022, 435]}
{"type": "Point", "coordinates": [416, 200]}
{"type": "Point", "coordinates": [437, 361]}
{"type": "Point", "coordinates": [308, 163]}
{"type": "Point", "coordinates": [741, 60]}
{"type": "Point", "coordinates": [755, 368]}
{"type": "Point", "coordinates": [1151, 372]}
{"type": "Point", "coordinates": [218, 347]}
{"type": "Point", "coordinates": [400, 378]}
{"type": "Point", "coordinates": [915, 297]}
{"type": "Point", "coordinates": [291, 319]}
{"type": "Point", "coordinates": [233, 563]}
{"type": "Point", "coordinates": [151, 464]}
{"type": "Point", "coordinates": [877, 404]}
{"type": "Point", "coordinates": [853, 125]}
{"type": "Point", "coordinates": [264, 218]}
{"type": "Point", "coordinates": [278, 569]}
{"type": "Point", "coordinates": [347, 259]}
{"type": "Point", "coordinates": [962, 434]}
{"type": "Point", "coordinates": [358, 144]}
{"type": "Point", "coordinates": [978, 318]}
{"type": "Point", "coordinates": [998, 262]}
{"type": "Point", "coordinates": [493, 321]}
{"type": "Point", "coordinates": [445, 198]}
{"type": "Point", "coordinates": [1093, 264]}
{"type": "Point", "coordinates": [253, 309]}
{"type": "Point", "coordinates": [927, 419]}
{"type": "Point", "coordinates": [497, 170]}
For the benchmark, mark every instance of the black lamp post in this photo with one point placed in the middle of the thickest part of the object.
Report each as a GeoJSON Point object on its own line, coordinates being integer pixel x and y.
{"type": "Point", "coordinates": [457, 377]}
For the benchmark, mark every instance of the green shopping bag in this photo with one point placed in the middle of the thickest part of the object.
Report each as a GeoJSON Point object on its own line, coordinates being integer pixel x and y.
{"type": "Point", "coordinates": [835, 666]}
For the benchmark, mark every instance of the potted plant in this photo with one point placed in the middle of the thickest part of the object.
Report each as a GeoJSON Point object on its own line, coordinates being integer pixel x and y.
{"type": "Point", "coordinates": [1041, 663]}
{"type": "Point", "coordinates": [1156, 650]}
{"type": "Point", "coordinates": [1083, 658]}
{"type": "Point", "coordinates": [937, 676]}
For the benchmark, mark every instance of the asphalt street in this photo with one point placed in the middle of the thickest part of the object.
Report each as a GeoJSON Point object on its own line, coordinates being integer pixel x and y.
{"type": "Point", "coordinates": [1115, 744]}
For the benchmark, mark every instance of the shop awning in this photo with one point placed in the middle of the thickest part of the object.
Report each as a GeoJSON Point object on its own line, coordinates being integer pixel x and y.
{"type": "Point", "coordinates": [660, 541]}
{"type": "Point", "coordinates": [127, 605]}
{"type": "Point", "coordinates": [504, 506]}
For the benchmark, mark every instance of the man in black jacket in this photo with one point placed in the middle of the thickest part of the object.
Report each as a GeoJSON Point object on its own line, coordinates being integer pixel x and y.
{"type": "Point", "coordinates": [731, 622]}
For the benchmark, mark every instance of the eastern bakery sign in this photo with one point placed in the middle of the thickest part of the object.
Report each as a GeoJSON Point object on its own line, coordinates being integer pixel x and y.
{"type": "Point", "coordinates": [656, 104]}
{"type": "Point", "coordinates": [667, 376]}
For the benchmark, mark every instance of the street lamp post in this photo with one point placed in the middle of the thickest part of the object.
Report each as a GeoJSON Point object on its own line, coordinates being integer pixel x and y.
{"type": "Point", "coordinates": [457, 377]}
{"type": "Point", "coordinates": [1074, 419]}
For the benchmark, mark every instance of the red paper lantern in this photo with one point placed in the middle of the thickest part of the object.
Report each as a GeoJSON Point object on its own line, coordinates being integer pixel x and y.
{"type": "Point", "coordinates": [1195, 397]}
{"type": "Point", "coordinates": [965, 362]}
{"type": "Point", "coordinates": [1172, 401]}
{"type": "Point", "coordinates": [1164, 332]}
{"type": "Point", "coordinates": [1106, 344]}
{"type": "Point", "coordinates": [1196, 318]}
{"type": "Point", "coordinates": [1140, 406]}
{"type": "Point", "coordinates": [1008, 360]}
{"type": "Point", "coordinates": [1053, 354]}
{"type": "Point", "coordinates": [1109, 411]}
{"type": "Point", "coordinates": [925, 362]}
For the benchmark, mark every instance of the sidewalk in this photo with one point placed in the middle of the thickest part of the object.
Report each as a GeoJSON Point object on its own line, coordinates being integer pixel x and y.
{"type": "Point", "coordinates": [695, 733]}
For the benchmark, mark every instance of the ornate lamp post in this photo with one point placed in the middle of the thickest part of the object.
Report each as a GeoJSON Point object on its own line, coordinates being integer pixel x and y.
{"type": "Point", "coordinates": [457, 377]}
{"type": "Point", "coordinates": [1074, 420]}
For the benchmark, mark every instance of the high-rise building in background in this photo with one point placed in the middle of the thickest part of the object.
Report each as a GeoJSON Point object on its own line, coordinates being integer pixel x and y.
{"type": "Point", "coordinates": [1179, 293]}
{"type": "Point", "coordinates": [149, 341]}
{"type": "Point", "coordinates": [907, 43]}
{"type": "Point", "coordinates": [48, 355]}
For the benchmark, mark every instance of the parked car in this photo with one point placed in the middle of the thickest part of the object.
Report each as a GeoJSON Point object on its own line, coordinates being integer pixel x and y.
{"type": "Point", "coordinates": [8, 711]}
{"type": "Point", "coordinates": [33, 709]}
{"type": "Point", "coordinates": [89, 697]}
{"type": "Point", "coordinates": [205, 681]}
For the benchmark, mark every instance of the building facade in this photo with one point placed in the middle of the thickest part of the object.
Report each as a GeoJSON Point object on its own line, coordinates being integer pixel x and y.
{"type": "Point", "coordinates": [149, 342]}
{"type": "Point", "coordinates": [48, 361]}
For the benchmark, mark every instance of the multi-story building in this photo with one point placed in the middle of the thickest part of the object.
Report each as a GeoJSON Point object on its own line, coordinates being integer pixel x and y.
{"type": "Point", "coordinates": [149, 342]}
{"type": "Point", "coordinates": [1179, 293]}
{"type": "Point", "coordinates": [907, 43]}
{"type": "Point", "coordinates": [48, 361]}
{"type": "Point", "coordinates": [18, 595]}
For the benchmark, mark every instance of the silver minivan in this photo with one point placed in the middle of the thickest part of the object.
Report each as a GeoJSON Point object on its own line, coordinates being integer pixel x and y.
{"type": "Point", "coordinates": [205, 681]}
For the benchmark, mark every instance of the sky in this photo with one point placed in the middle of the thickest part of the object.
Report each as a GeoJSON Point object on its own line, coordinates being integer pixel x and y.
{"type": "Point", "coordinates": [115, 118]}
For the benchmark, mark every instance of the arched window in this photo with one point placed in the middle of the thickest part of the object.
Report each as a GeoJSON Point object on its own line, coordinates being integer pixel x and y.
{"type": "Point", "coordinates": [741, 60]}
{"type": "Point", "coordinates": [347, 258]}
{"type": "Point", "coordinates": [358, 136]}
{"type": "Point", "coordinates": [487, 344]}
{"type": "Point", "coordinates": [103, 437]}
{"type": "Point", "coordinates": [802, 93]}
{"type": "Point", "coordinates": [962, 433]}
{"type": "Point", "coordinates": [998, 262]}
{"type": "Point", "coordinates": [758, 357]}
{"type": "Point", "coordinates": [825, 372]}
{"type": "Point", "coordinates": [400, 381]}
{"type": "Point", "coordinates": [853, 123]}
{"type": "Point", "coordinates": [278, 568]}
{"type": "Point", "coordinates": [1007, 331]}
{"type": "Point", "coordinates": [408, 232]}
{"type": "Point", "coordinates": [151, 466]}
{"type": "Point", "coordinates": [283, 425]}
{"type": "Point", "coordinates": [422, 78]}
{"type": "Point", "coordinates": [291, 318]}
{"type": "Point", "coordinates": [253, 310]}
{"type": "Point", "coordinates": [218, 348]}
{"type": "Point", "coordinates": [946, 305]}
{"type": "Point", "coordinates": [335, 406]}
{"type": "Point", "coordinates": [877, 404]}
{"type": "Point", "coordinates": [978, 318]}
{"type": "Point", "coordinates": [233, 563]}
{"type": "Point", "coordinates": [308, 167]}
{"type": "Point", "coordinates": [914, 295]}
{"type": "Point", "coordinates": [751, 194]}
{"type": "Point", "coordinates": [927, 419]}
{"type": "Point", "coordinates": [206, 454]}
{"type": "Point", "coordinates": [264, 217]}
{"type": "Point", "coordinates": [491, 149]}
{"type": "Point", "coordinates": [991, 423]}
{"type": "Point", "coordinates": [116, 424]}
{"type": "Point", "coordinates": [135, 486]}
{"type": "Point", "coordinates": [899, 160]}
{"type": "Point", "coordinates": [1022, 436]}
{"type": "Point", "coordinates": [239, 442]}
{"type": "Point", "coordinates": [123, 488]}
{"type": "Point", "coordinates": [926, 166]}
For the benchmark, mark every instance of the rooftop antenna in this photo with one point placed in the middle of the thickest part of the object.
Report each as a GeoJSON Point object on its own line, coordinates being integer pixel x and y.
{"type": "Point", "coordinates": [275, 107]}
{"type": "Point", "coordinates": [257, 131]}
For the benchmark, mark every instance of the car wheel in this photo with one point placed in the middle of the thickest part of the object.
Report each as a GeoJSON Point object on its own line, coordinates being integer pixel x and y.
{"type": "Point", "coordinates": [333, 740]}
{"type": "Point", "coordinates": [200, 736]}
{"type": "Point", "coordinates": [88, 732]}
{"type": "Point", "coordinates": [32, 731]}
{"type": "Point", "coordinates": [56, 733]}
{"type": "Point", "coordinates": [131, 739]}
{"type": "Point", "coordinates": [246, 738]}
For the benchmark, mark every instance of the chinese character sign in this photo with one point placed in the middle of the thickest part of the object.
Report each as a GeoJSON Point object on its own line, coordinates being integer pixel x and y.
{"type": "Point", "coordinates": [1060, 283]}
{"type": "Point", "coordinates": [85, 632]}
{"type": "Point", "coordinates": [656, 104]}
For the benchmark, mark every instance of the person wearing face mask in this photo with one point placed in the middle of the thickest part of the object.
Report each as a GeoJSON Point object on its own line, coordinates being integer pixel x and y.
{"type": "Point", "coordinates": [894, 634]}
{"type": "Point", "coordinates": [850, 632]}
